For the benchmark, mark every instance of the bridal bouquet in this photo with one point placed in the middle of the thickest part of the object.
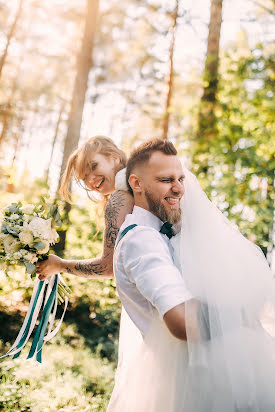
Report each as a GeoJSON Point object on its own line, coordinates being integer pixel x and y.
{"type": "Point", "coordinates": [27, 231]}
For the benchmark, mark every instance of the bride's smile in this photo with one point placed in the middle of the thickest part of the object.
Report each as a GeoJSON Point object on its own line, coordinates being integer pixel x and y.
{"type": "Point", "coordinates": [100, 173]}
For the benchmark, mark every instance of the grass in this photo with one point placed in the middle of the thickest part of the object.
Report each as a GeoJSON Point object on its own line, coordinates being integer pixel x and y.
{"type": "Point", "coordinates": [71, 378]}
{"type": "Point", "coordinates": [78, 365]}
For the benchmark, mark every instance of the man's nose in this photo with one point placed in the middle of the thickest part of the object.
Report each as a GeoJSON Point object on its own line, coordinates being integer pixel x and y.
{"type": "Point", "coordinates": [178, 188]}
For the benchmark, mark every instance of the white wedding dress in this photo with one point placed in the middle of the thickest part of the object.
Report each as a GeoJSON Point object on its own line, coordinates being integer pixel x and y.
{"type": "Point", "coordinates": [228, 361]}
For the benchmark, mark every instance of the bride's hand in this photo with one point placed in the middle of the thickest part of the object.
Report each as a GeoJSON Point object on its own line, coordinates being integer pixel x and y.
{"type": "Point", "coordinates": [49, 267]}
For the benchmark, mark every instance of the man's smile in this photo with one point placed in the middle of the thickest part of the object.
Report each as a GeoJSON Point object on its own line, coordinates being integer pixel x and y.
{"type": "Point", "coordinates": [172, 201]}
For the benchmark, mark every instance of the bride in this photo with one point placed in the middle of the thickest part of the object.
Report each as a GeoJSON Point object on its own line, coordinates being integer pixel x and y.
{"type": "Point", "coordinates": [95, 166]}
{"type": "Point", "coordinates": [227, 362]}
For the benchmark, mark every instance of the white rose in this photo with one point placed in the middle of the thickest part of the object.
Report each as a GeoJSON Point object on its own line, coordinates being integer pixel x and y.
{"type": "Point", "coordinates": [2, 237]}
{"type": "Point", "coordinates": [26, 237]}
{"type": "Point", "coordinates": [11, 244]}
{"type": "Point", "coordinates": [26, 219]}
{"type": "Point", "coordinates": [23, 252]}
{"type": "Point", "coordinates": [40, 227]}
{"type": "Point", "coordinates": [31, 257]}
{"type": "Point", "coordinates": [3, 266]}
{"type": "Point", "coordinates": [14, 216]}
{"type": "Point", "coordinates": [28, 209]}
{"type": "Point", "coordinates": [17, 255]}
{"type": "Point", "coordinates": [53, 236]}
{"type": "Point", "coordinates": [46, 248]}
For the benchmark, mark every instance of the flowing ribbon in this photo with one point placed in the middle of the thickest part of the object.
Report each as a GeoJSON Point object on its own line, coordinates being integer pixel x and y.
{"type": "Point", "coordinates": [49, 310]}
{"type": "Point", "coordinates": [41, 329]}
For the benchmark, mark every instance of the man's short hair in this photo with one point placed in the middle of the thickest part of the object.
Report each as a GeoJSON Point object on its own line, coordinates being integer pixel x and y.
{"type": "Point", "coordinates": [143, 153]}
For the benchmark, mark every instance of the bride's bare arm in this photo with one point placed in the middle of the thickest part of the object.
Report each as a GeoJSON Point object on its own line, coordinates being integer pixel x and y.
{"type": "Point", "coordinates": [119, 205]}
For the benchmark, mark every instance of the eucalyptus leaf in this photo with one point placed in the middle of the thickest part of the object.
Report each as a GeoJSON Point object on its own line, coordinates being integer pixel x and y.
{"type": "Point", "coordinates": [13, 208]}
{"type": "Point", "coordinates": [4, 229]}
{"type": "Point", "coordinates": [11, 232]}
{"type": "Point", "coordinates": [39, 245]}
{"type": "Point", "coordinates": [57, 218]}
{"type": "Point", "coordinates": [51, 211]}
{"type": "Point", "coordinates": [30, 267]}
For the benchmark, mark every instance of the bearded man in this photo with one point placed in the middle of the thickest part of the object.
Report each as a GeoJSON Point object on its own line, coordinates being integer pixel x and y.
{"type": "Point", "coordinates": [150, 286]}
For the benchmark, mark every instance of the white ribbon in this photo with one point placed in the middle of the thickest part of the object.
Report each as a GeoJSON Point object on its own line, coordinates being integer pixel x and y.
{"type": "Point", "coordinates": [51, 333]}
{"type": "Point", "coordinates": [12, 350]}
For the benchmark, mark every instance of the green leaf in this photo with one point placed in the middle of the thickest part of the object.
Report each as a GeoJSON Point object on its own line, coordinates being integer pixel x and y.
{"type": "Point", "coordinates": [11, 232]}
{"type": "Point", "coordinates": [51, 211]}
{"type": "Point", "coordinates": [4, 229]}
{"type": "Point", "coordinates": [57, 218]}
{"type": "Point", "coordinates": [13, 208]}
{"type": "Point", "coordinates": [30, 267]}
{"type": "Point", "coordinates": [39, 245]}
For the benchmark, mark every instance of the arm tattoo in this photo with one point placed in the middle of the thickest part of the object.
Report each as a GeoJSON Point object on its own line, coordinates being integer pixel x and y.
{"type": "Point", "coordinates": [87, 269]}
{"type": "Point", "coordinates": [115, 202]}
{"type": "Point", "coordinates": [68, 270]}
{"type": "Point", "coordinates": [97, 266]}
{"type": "Point", "coordinates": [91, 268]}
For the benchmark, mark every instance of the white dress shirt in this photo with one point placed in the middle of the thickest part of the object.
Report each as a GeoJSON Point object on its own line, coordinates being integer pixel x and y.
{"type": "Point", "coordinates": [146, 276]}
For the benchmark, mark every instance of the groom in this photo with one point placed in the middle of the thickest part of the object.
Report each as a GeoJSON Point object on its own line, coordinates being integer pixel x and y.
{"type": "Point", "coordinates": [146, 276]}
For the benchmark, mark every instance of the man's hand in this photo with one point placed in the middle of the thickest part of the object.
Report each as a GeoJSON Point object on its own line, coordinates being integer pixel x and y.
{"type": "Point", "coordinates": [49, 267]}
{"type": "Point", "coordinates": [175, 321]}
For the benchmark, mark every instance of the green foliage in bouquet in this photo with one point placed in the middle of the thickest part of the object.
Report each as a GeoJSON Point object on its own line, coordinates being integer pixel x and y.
{"type": "Point", "coordinates": [27, 232]}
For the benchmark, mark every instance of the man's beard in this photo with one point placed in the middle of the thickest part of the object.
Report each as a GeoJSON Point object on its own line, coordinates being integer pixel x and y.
{"type": "Point", "coordinates": [157, 208]}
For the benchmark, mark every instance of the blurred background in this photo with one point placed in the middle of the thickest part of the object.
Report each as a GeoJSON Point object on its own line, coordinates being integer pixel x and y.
{"type": "Point", "coordinates": [200, 72]}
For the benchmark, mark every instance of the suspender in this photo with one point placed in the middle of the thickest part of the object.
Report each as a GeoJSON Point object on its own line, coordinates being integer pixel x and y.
{"type": "Point", "coordinates": [123, 233]}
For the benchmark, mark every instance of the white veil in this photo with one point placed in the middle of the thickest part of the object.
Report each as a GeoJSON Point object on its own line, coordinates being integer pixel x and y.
{"type": "Point", "coordinates": [228, 361]}
{"type": "Point", "coordinates": [231, 322]}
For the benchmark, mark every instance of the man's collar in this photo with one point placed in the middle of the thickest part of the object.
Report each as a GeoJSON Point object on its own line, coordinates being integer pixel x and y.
{"type": "Point", "coordinates": [147, 218]}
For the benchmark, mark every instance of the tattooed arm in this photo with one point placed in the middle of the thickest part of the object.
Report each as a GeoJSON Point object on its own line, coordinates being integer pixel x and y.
{"type": "Point", "coordinates": [119, 205]}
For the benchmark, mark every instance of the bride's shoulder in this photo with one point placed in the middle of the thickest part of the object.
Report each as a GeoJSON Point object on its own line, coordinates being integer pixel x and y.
{"type": "Point", "coordinates": [120, 180]}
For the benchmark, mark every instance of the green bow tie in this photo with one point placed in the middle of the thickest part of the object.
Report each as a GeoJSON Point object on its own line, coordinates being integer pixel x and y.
{"type": "Point", "coordinates": [167, 230]}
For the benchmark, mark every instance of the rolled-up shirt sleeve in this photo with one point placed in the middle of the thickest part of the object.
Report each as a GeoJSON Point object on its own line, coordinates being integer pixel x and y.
{"type": "Point", "coordinates": [148, 263]}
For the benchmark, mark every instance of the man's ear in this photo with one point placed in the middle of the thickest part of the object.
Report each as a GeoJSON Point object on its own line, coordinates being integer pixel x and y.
{"type": "Point", "coordinates": [135, 183]}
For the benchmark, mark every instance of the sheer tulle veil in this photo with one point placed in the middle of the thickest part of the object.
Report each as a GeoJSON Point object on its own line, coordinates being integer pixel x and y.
{"type": "Point", "coordinates": [228, 361]}
{"type": "Point", "coordinates": [231, 323]}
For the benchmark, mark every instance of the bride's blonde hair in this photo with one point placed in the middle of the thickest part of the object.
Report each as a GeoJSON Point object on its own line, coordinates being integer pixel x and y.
{"type": "Point", "coordinates": [79, 162]}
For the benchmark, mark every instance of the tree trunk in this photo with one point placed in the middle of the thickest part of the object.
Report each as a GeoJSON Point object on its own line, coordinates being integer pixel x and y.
{"type": "Point", "coordinates": [5, 120]}
{"type": "Point", "coordinates": [16, 145]}
{"type": "Point", "coordinates": [59, 119]}
{"type": "Point", "coordinates": [59, 247]}
{"type": "Point", "coordinates": [170, 76]}
{"type": "Point", "coordinates": [10, 35]}
{"type": "Point", "coordinates": [8, 111]}
{"type": "Point", "coordinates": [84, 64]}
{"type": "Point", "coordinates": [207, 118]}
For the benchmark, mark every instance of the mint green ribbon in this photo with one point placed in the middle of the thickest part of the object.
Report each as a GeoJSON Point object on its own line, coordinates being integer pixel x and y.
{"type": "Point", "coordinates": [41, 329]}
{"type": "Point", "coordinates": [26, 331]}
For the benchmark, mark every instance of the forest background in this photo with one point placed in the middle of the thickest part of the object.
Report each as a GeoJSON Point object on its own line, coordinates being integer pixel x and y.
{"type": "Point", "coordinates": [201, 73]}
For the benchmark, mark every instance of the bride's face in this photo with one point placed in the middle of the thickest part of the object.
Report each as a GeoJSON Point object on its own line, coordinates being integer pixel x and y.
{"type": "Point", "coordinates": [100, 175]}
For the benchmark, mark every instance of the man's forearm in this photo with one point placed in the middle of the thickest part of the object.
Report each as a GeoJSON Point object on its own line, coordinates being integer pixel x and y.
{"type": "Point", "coordinates": [89, 268]}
